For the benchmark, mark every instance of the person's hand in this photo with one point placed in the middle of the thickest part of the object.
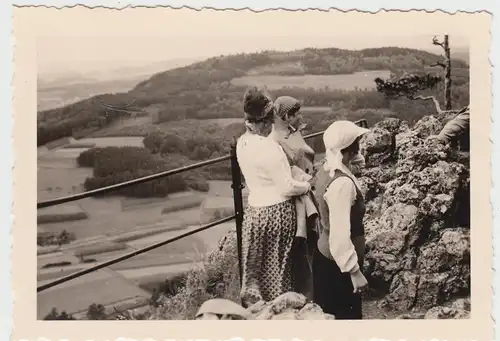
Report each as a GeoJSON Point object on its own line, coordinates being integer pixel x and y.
{"type": "Point", "coordinates": [309, 188]}
{"type": "Point", "coordinates": [359, 281]}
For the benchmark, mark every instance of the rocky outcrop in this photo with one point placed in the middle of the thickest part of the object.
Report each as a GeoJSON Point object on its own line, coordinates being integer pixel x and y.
{"type": "Point", "coordinates": [458, 309]}
{"type": "Point", "coordinates": [418, 247]}
{"type": "Point", "coordinates": [289, 306]}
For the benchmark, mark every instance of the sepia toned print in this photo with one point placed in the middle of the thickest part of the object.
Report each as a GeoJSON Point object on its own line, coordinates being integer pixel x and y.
{"type": "Point", "coordinates": [269, 175]}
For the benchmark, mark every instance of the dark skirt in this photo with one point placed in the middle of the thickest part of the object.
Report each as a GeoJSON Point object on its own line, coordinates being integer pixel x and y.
{"type": "Point", "coordinates": [302, 253]}
{"type": "Point", "coordinates": [333, 290]}
{"type": "Point", "coordinates": [267, 237]}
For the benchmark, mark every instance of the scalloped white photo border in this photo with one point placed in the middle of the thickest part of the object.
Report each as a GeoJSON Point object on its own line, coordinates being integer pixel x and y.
{"type": "Point", "coordinates": [6, 63]}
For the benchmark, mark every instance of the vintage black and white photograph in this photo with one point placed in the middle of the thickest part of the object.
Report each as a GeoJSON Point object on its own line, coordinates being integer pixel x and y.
{"type": "Point", "coordinates": [243, 169]}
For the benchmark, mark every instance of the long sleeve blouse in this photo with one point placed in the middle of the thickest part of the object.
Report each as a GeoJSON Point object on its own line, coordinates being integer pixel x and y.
{"type": "Point", "coordinates": [267, 171]}
{"type": "Point", "coordinates": [340, 196]}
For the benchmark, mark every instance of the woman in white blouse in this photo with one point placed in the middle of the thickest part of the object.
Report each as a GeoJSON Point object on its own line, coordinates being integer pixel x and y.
{"type": "Point", "coordinates": [338, 259]}
{"type": "Point", "coordinates": [269, 221]}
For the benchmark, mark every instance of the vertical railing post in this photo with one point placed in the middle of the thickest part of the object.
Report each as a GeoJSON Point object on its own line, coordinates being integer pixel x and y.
{"type": "Point", "coordinates": [237, 187]}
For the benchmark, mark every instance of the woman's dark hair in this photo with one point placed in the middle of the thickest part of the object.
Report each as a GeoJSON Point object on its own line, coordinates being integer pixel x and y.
{"type": "Point", "coordinates": [352, 148]}
{"type": "Point", "coordinates": [256, 103]}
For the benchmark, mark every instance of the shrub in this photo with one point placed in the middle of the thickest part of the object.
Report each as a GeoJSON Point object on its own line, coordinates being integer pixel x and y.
{"type": "Point", "coordinates": [96, 312]}
{"type": "Point", "coordinates": [217, 278]}
{"type": "Point", "coordinates": [60, 217]}
{"type": "Point", "coordinates": [54, 315]}
{"type": "Point", "coordinates": [45, 239]}
{"type": "Point", "coordinates": [54, 265]}
{"type": "Point", "coordinates": [99, 249]}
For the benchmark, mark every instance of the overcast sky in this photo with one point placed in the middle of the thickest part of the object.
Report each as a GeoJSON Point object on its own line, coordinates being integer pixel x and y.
{"type": "Point", "coordinates": [91, 39]}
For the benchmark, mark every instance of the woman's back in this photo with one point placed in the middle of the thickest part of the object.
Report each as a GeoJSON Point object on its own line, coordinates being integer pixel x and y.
{"type": "Point", "coordinates": [266, 170]}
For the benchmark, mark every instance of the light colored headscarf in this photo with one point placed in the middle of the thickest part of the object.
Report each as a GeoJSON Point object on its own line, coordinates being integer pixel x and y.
{"type": "Point", "coordinates": [287, 105]}
{"type": "Point", "coordinates": [339, 135]}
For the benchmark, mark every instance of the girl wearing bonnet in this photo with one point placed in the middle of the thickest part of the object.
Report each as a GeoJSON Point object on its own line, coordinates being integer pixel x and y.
{"type": "Point", "coordinates": [270, 219]}
{"type": "Point", "coordinates": [338, 258]}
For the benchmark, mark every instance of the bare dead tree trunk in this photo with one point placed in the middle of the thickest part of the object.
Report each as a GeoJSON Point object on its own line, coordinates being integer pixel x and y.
{"type": "Point", "coordinates": [447, 74]}
{"type": "Point", "coordinates": [446, 65]}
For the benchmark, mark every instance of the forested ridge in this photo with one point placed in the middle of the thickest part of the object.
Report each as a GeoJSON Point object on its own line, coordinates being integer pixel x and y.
{"type": "Point", "coordinates": [176, 100]}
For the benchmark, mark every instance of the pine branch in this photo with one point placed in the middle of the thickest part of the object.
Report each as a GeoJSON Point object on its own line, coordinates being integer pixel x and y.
{"type": "Point", "coordinates": [439, 64]}
{"type": "Point", "coordinates": [435, 41]}
{"type": "Point", "coordinates": [436, 103]}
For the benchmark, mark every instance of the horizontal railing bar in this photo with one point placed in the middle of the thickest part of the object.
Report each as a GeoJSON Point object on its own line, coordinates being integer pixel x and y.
{"type": "Point", "coordinates": [310, 136]}
{"type": "Point", "coordinates": [106, 189]}
{"type": "Point", "coordinates": [131, 254]}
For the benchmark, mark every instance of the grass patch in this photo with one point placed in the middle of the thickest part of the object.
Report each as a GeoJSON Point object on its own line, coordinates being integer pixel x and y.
{"type": "Point", "coordinates": [182, 203]}
{"type": "Point", "coordinates": [153, 283]}
{"type": "Point", "coordinates": [217, 278]}
{"type": "Point", "coordinates": [143, 234]}
{"type": "Point", "coordinates": [133, 203]}
{"type": "Point", "coordinates": [50, 238]}
{"type": "Point", "coordinates": [347, 82]}
{"type": "Point", "coordinates": [100, 248]}
{"type": "Point", "coordinates": [212, 214]}
{"type": "Point", "coordinates": [58, 274]}
{"type": "Point", "coordinates": [45, 250]}
{"type": "Point", "coordinates": [186, 250]}
{"type": "Point", "coordinates": [101, 287]}
{"type": "Point", "coordinates": [60, 218]}
{"type": "Point", "coordinates": [80, 145]}
{"type": "Point", "coordinates": [55, 265]}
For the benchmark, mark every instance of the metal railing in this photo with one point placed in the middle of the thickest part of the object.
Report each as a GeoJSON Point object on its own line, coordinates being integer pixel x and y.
{"type": "Point", "coordinates": [236, 185]}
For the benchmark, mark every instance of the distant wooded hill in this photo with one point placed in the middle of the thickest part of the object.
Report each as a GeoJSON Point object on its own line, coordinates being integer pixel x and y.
{"type": "Point", "coordinates": [213, 88]}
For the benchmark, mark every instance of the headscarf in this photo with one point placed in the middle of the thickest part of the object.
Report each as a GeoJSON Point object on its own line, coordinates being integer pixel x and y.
{"type": "Point", "coordinates": [286, 105]}
{"type": "Point", "coordinates": [257, 105]}
{"type": "Point", "coordinates": [339, 135]}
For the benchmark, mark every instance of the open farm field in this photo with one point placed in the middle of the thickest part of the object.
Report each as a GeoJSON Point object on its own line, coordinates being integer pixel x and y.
{"type": "Point", "coordinates": [117, 225]}
{"type": "Point", "coordinates": [105, 217]}
{"type": "Point", "coordinates": [157, 274]}
{"type": "Point", "coordinates": [348, 82]}
{"type": "Point", "coordinates": [103, 287]}
{"type": "Point", "coordinates": [314, 110]}
{"type": "Point", "coordinates": [61, 213]}
{"type": "Point", "coordinates": [187, 250]}
{"type": "Point", "coordinates": [117, 141]}
{"type": "Point", "coordinates": [140, 130]}
{"type": "Point", "coordinates": [133, 124]}
{"type": "Point", "coordinates": [60, 181]}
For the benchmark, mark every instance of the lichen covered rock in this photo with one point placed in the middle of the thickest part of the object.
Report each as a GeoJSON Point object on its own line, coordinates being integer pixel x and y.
{"type": "Point", "coordinates": [417, 254]}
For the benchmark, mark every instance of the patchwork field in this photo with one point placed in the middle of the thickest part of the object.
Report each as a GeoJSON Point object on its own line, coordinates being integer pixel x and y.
{"type": "Point", "coordinates": [358, 80]}
{"type": "Point", "coordinates": [133, 141]}
{"type": "Point", "coordinates": [114, 226]}
{"type": "Point", "coordinates": [103, 287]}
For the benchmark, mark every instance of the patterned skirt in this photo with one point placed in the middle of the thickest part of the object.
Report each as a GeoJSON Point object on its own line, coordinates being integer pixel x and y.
{"type": "Point", "coordinates": [267, 237]}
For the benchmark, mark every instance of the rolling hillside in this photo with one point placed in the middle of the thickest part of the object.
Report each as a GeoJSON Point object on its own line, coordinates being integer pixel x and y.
{"type": "Point", "coordinates": [213, 88]}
